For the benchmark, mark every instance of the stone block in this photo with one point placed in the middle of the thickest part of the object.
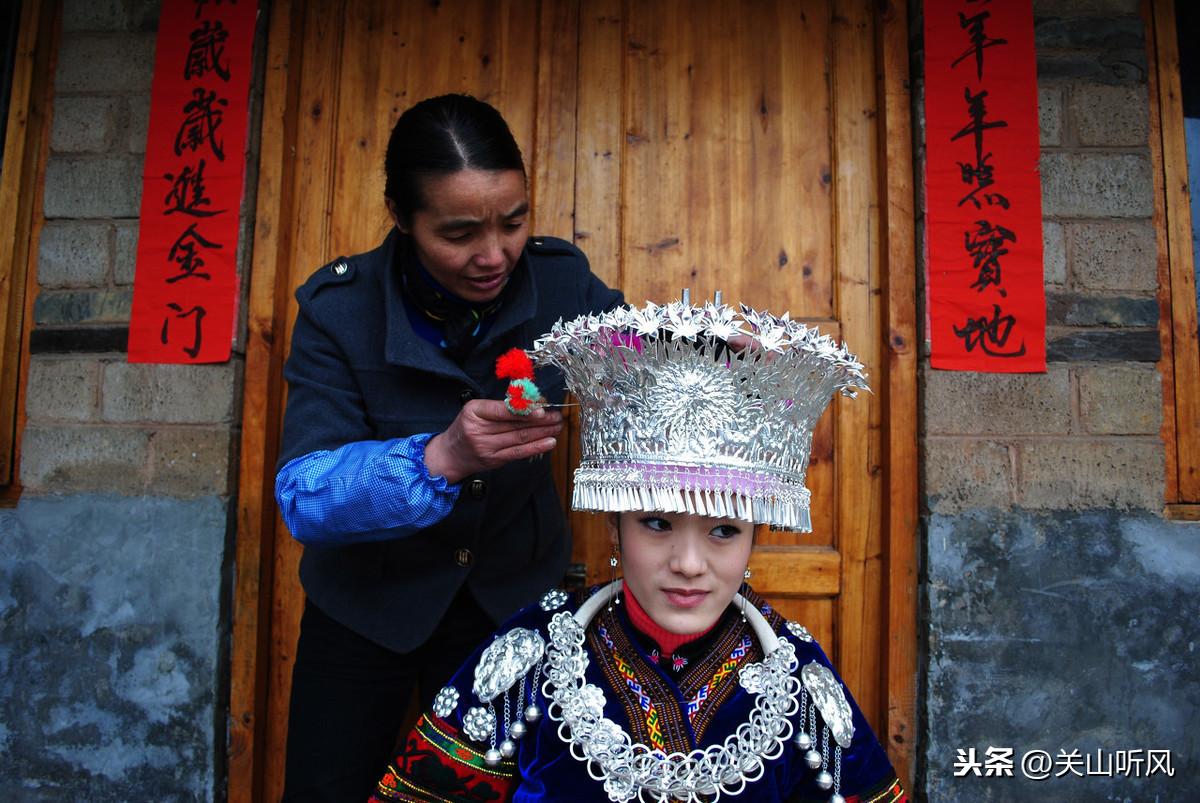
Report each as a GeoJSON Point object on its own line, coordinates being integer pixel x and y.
{"type": "Point", "coordinates": [1050, 116]}
{"type": "Point", "coordinates": [1092, 67]}
{"type": "Point", "coordinates": [93, 187]}
{"type": "Point", "coordinates": [143, 15]}
{"type": "Point", "coordinates": [966, 473]}
{"type": "Point", "coordinates": [93, 15]}
{"type": "Point", "coordinates": [1110, 115]}
{"type": "Point", "coordinates": [1106, 33]}
{"type": "Point", "coordinates": [125, 256]}
{"type": "Point", "coordinates": [176, 394]}
{"type": "Point", "coordinates": [61, 389]}
{"type": "Point", "coordinates": [62, 459]}
{"type": "Point", "coordinates": [74, 254]}
{"type": "Point", "coordinates": [105, 62]}
{"type": "Point", "coordinates": [1054, 253]}
{"type": "Point", "coordinates": [1120, 399]}
{"type": "Point", "coordinates": [138, 123]}
{"type": "Point", "coordinates": [1075, 309]}
{"type": "Point", "coordinates": [966, 403]}
{"type": "Point", "coordinates": [1096, 185]}
{"type": "Point", "coordinates": [1103, 345]}
{"type": "Point", "coordinates": [83, 124]}
{"type": "Point", "coordinates": [191, 462]}
{"type": "Point", "coordinates": [60, 308]}
{"type": "Point", "coordinates": [1079, 474]}
{"type": "Point", "coordinates": [1113, 255]}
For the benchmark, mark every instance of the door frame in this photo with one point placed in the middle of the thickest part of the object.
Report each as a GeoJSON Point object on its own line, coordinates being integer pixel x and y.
{"type": "Point", "coordinates": [264, 388]}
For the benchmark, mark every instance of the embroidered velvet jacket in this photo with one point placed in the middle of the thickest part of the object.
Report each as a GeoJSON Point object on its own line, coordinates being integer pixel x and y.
{"type": "Point", "coordinates": [667, 708]}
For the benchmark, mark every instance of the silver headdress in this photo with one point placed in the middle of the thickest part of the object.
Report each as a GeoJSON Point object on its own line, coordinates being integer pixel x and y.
{"type": "Point", "coordinates": [675, 420]}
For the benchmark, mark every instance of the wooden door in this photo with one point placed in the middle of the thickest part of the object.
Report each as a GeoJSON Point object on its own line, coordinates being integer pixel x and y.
{"type": "Point", "coordinates": [705, 144]}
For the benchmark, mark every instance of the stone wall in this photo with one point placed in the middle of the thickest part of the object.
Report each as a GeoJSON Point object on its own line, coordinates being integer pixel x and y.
{"type": "Point", "coordinates": [1060, 609]}
{"type": "Point", "coordinates": [114, 566]}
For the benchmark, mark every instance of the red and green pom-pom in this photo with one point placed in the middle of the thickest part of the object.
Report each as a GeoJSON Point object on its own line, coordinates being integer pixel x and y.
{"type": "Point", "coordinates": [523, 397]}
{"type": "Point", "coordinates": [514, 364]}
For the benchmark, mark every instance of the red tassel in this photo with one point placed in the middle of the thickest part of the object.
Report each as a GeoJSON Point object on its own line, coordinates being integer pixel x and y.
{"type": "Point", "coordinates": [514, 364]}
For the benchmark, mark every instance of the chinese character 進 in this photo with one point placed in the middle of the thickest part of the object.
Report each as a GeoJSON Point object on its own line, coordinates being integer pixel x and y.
{"type": "Point", "coordinates": [199, 313]}
{"type": "Point", "coordinates": [988, 332]}
{"type": "Point", "coordinates": [207, 48]}
{"type": "Point", "coordinates": [985, 246]}
{"type": "Point", "coordinates": [183, 253]}
{"type": "Point", "coordinates": [187, 193]}
{"type": "Point", "coordinates": [201, 123]}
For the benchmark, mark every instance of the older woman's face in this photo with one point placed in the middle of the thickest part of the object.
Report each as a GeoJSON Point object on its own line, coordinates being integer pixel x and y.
{"type": "Point", "coordinates": [470, 233]}
{"type": "Point", "coordinates": [683, 569]}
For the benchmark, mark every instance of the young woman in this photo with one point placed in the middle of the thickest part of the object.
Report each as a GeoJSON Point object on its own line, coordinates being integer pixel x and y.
{"type": "Point", "coordinates": [676, 682]}
{"type": "Point", "coordinates": [404, 476]}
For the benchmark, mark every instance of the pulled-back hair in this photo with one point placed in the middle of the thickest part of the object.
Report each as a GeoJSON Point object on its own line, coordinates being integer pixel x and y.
{"type": "Point", "coordinates": [443, 135]}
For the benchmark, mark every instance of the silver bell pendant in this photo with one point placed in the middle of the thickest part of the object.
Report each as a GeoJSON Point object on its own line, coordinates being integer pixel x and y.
{"type": "Point", "coordinates": [836, 798]}
{"type": "Point", "coordinates": [508, 749]}
{"type": "Point", "coordinates": [813, 759]}
{"type": "Point", "coordinates": [803, 740]}
{"type": "Point", "coordinates": [492, 757]}
{"type": "Point", "coordinates": [824, 779]}
{"type": "Point", "coordinates": [533, 713]}
{"type": "Point", "coordinates": [517, 729]}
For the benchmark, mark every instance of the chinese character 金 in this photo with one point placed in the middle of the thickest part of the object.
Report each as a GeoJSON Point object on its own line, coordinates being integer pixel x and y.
{"type": "Point", "coordinates": [200, 124]}
{"type": "Point", "coordinates": [197, 340]}
{"type": "Point", "coordinates": [988, 333]}
{"type": "Point", "coordinates": [183, 253]}
{"type": "Point", "coordinates": [206, 51]}
{"type": "Point", "coordinates": [187, 193]}
{"type": "Point", "coordinates": [979, 40]}
{"type": "Point", "coordinates": [985, 246]}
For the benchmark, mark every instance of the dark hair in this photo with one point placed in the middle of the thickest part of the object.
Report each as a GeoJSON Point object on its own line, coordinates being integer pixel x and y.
{"type": "Point", "coordinates": [443, 135]}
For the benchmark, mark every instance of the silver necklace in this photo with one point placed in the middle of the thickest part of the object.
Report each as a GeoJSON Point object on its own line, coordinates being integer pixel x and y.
{"type": "Point", "coordinates": [632, 770]}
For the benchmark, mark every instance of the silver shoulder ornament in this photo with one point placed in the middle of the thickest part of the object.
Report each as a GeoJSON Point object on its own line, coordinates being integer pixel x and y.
{"type": "Point", "coordinates": [512, 660]}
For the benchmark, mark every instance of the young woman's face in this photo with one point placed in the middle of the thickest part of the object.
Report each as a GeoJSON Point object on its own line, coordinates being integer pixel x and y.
{"type": "Point", "coordinates": [684, 569]}
{"type": "Point", "coordinates": [470, 233]}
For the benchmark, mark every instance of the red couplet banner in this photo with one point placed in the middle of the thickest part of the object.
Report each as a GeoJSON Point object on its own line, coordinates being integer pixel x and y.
{"type": "Point", "coordinates": [987, 304]}
{"type": "Point", "coordinates": [185, 289]}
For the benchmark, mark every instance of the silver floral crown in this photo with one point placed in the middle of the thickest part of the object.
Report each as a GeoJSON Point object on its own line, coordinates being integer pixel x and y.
{"type": "Point", "coordinates": [675, 420]}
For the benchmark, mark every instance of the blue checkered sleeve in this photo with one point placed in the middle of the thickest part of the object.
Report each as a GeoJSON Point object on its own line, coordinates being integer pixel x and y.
{"type": "Point", "coordinates": [363, 491]}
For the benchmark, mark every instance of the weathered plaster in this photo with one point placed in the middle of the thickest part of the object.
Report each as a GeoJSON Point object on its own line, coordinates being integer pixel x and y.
{"type": "Point", "coordinates": [110, 648]}
{"type": "Point", "coordinates": [1060, 631]}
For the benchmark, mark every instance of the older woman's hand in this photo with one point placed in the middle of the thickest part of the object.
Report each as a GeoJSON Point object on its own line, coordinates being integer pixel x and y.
{"type": "Point", "coordinates": [485, 435]}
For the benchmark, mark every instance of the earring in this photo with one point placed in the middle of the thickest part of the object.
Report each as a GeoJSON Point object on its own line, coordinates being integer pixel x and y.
{"type": "Point", "coordinates": [613, 560]}
{"type": "Point", "coordinates": [747, 574]}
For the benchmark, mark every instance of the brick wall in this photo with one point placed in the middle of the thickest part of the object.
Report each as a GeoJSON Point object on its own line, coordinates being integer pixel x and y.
{"type": "Point", "coordinates": [115, 565]}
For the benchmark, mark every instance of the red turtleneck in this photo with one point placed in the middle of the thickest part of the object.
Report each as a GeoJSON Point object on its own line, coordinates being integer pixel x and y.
{"type": "Point", "coordinates": [667, 641]}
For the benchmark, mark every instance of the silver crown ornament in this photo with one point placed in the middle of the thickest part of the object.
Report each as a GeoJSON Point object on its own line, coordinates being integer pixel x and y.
{"type": "Point", "coordinates": [676, 419]}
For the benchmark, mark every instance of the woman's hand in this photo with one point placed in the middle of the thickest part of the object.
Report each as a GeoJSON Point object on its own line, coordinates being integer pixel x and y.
{"type": "Point", "coordinates": [486, 435]}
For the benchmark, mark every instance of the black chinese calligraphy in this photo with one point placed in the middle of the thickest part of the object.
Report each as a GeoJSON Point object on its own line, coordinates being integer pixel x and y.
{"type": "Point", "coordinates": [207, 51]}
{"type": "Point", "coordinates": [980, 41]}
{"type": "Point", "coordinates": [981, 172]}
{"type": "Point", "coordinates": [198, 313]}
{"type": "Point", "coordinates": [202, 118]}
{"type": "Point", "coordinates": [985, 246]}
{"type": "Point", "coordinates": [184, 254]}
{"type": "Point", "coordinates": [187, 193]}
{"type": "Point", "coordinates": [990, 334]}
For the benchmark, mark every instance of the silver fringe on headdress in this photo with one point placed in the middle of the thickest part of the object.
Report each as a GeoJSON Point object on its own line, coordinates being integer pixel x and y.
{"type": "Point", "coordinates": [674, 420]}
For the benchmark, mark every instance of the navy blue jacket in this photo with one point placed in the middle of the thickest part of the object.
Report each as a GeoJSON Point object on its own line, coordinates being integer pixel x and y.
{"type": "Point", "coordinates": [357, 371]}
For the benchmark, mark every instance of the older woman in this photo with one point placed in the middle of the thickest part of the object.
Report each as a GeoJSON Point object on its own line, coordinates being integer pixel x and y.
{"type": "Point", "coordinates": [676, 682]}
{"type": "Point", "coordinates": [401, 470]}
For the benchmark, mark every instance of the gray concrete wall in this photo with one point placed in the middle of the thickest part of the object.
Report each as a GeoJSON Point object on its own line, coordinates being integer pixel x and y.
{"type": "Point", "coordinates": [114, 565]}
{"type": "Point", "coordinates": [1060, 609]}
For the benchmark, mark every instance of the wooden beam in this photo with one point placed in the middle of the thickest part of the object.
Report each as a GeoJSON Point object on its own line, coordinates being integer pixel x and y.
{"type": "Point", "coordinates": [899, 391]}
{"type": "Point", "coordinates": [260, 405]}
{"type": "Point", "coordinates": [26, 133]}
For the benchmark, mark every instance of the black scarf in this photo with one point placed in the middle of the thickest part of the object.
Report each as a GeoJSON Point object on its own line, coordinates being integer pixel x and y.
{"type": "Point", "coordinates": [461, 323]}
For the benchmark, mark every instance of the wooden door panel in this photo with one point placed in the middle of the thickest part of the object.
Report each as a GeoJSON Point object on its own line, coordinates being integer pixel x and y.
{"type": "Point", "coordinates": [681, 143]}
